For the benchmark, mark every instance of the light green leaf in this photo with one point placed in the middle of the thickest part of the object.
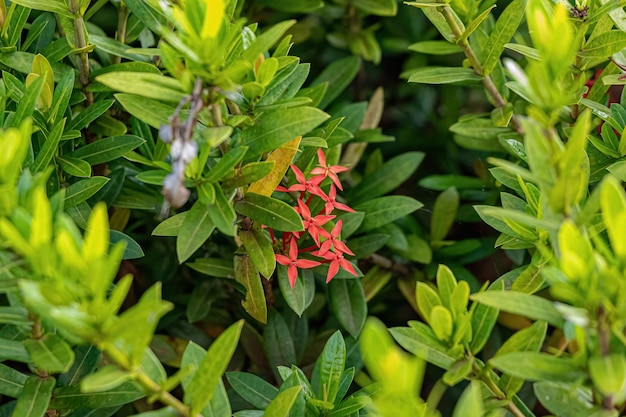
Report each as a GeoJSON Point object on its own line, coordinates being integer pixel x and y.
{"type": "Point", "coordinates": [72, 398]}
{"type": "Point", "coordinates": [505, 28]}
{"type": "Point", "coordinates": [104, 379]}
{"type": "Point", "coordinates": [59, 7]}
{"type": "Point", "coordinates": [436, 48]}
{"type": "Point", "coordinates": [527, 305]}
{"type": "Point", "coordinates": [50, 353]}
{"type": "Point", "coordinates": [171, 226]}
{"type": "Point", "coordinates": [422, 342]}
{"type": "Point", "coordinates": [444, 75]}
{"type": "Point", "coordinates": [282, 404]}
{"type": "Point", "coordinates": [196, 228]}
{"type": "Point", "coordinates": [534, 366]}
{"type": "Point", "coordinates": [149, 111]}
{"type": "Point", "coordinates": [378, 7]}
{"type": "Point", "coordinates": [206, 379]}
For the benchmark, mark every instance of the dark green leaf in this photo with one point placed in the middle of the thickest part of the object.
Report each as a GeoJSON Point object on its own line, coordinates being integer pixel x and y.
{"type": "Point", "coordinates": [11, 381]}
{"type": "Point", "coordinates": [301, 295]}
{"type": "Point", "coordinates": [132, 249]}
{"type": "Point", "coordinates": [278, 342]}
{"type": "Point", "coordinates": [149, 111]}
{"type": "Point", "coordinates": [275, 128]}
{"type": "Point", "coordinates": [72, 398]}
{"type": "Point", "coordinates": [83, 189]}
{"type": "Point", "coordinates": [332, 362]}
{"type": "Point", "coordinates": [270, 212]}
{"type": "Point", "coordinates": [383, 210]}
{"type": "Point", "coordinates": [74, 166]}
{"type": "Point", "coordinates": [347, 301]}
{"type": "Point", "coordinates": [226, 163]}
{"type": "Point", "coordinates": [256, 391]}
{"type": "Point", "coordinates": [378, 7]}
{"type": "Point", "coordinates": [389, 177]}
{"type": "Point", "coordinates": [214, 267]}
{"type": "Point", "coordinates": [35, 397]}
{"type": "Point", "coordinates": [108, 149]}
{"type": "Point", "coordinates": [338, 75]}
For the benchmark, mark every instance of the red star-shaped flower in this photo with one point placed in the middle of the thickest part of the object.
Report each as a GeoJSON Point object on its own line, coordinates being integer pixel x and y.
{"type": "Point", "coordinates": [333, 240]}
{"type": "Point", "coordinates": [313, 225]}
{"type": "Point", "coordinates": [332, 203]}
{"type": "Point", "coordinates": [336, 261]}
{"type": "Point", "coordinates": [326, 170]}
{"type": "Point", "coordinates": [293, 263]}
{"type": "Point", "coordinates": [312, 185]}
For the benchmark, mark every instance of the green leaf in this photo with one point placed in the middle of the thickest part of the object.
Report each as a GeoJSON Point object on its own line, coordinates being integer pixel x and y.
{"type": "Point", "coordinates": [529, 339]}
{"type": "Point", "coordinates": [444, 212]}
{"type": "Point", "coordinates": [256, 391]}
{"type": "Point", "coordinates": [222, 213]}
{"type": "Point", "coordinates": [74, 166]}
{"type": "Point", "coordinates": [275, 128]}
{"type": "Point", "coordinates": [195, 230]}
{"type": "Point", "coordinates": [604, 45]}
{"type": "Point", "coordinates": [72, 398]}
{"type": "Point", "coordinates": [49, 148]}
{"type": "Point", "coordinates": [214, 267]}
{"type": "Point", "coordinates": [383, 210]}
{"type": "Point", "coordinates": [89, 114]}
{"type": "Point", "coordinates": [249, 173]}
{"type": "Point", "coordinates": [282, 404]}
{"type": "Point", "coordinates": [608, 374]}
{"type": "Point", "coordinates": [201, 300]}
{"type": "Point", "coordinates": [444, 75]}
{"type": "Point", "coordinates": [35, 397]}
{"type": "Point", "coordinates": [59, 7]}
{"type": "Point", "coordinates": [270, 212]}
{"type": "Point", "coordinates": [534, 366]}
{"type": "Point", "coordinates": [378, 7]}
{"type": "Point", "coordinates": [50, 353]}
{"type": "Point", "coordinates": [347, 301]}
{"type": "Point", "coordinates": [265, 41]}
{"type": "Point", "coordinates": [441, 322]}
{"type": "Point", "coordinates": [206, 379]}
{"type": "Point", "coordinates": [483, 320]}
{"type": "Point", "coordinates": [247, 275]}
{"type": "Point", "coordinates": [443, 182]}
{"type": "Point", "coordinates": [527, 305]}
{"type": "Point", "coordinates": [86, 360]}
{"type": "Point", "coordinates": [104, 379]}
{"type": "Point", "coordinates": [11, 381]}
{"type": "Point", "coordinates": [389, 177]}
{"type": "Point", "coordinates": [132, 250]}
{"type": "Point", "coordinates": [300, 6]}
{"type": "Point", "coordinates": [350, 405]}
{"type": "Point", "coordinates": [505, 28]}
{"type": "Point", "coordinates": [332, 362]}
{"type": "Point", "coordinates": [226, 163]}
{"type": "Point", "coordinates": [613, 204]}
{"type": "Point", "coordinates": [107, 149]}
{"type": "Point", "coordinates": [364, 246]}
{"type": "Point", "coordinates": [171, 226]}
{"type": "Point", "coordinates": [338, 75]}
{"type": "Point", "coordinates": [436, 48]}
{"type": "Point", "coordinates": [278, 342]}
{"type": "Point", "coordinates": [260, 250]}
{"type": "Point", "coordinates": [471, 402]}
{"type": "Point", "coordinates": [565, 400]}
{"type": "Point", "coordinates": [149, 111]}
{"type": "Point", "coordinates": [144, 84]}
{"type": "Point", "coordinates": [13, 350]}
{"type": "Point", "coordinates": [421, 341]}
{"type": "Point", "coordinates": [301, 295]}
{"type": "Point", "coordinates": [83, 189]}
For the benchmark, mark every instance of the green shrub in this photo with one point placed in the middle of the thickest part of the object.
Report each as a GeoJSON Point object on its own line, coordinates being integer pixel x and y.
{"type": "Point", "coordinates": [182, 196]}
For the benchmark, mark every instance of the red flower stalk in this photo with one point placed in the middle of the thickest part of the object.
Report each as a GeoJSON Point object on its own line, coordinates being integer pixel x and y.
{"type": "Point", "coordinates": [293, 263]}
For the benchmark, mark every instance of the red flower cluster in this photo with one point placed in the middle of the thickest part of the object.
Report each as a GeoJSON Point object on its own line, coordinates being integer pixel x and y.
{"type": "Point", "coordinates": [328, 246]}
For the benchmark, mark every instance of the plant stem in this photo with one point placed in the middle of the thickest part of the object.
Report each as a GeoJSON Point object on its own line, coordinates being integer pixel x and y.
{"type": "Point", "coordinates": [435, 395]}
{"type": "Point", "coordinates": [148, 384]}
{"type": "Point", "coordinates": [81, 45]}
{"type": "Point", "coordinates": [497, 391]}
{"type": "Point", "coordinates": [604, 340]}
{"type": "Point", "coordinates": [488, 83]}
{"type": "Point", "coordinates": [387, 263]}
{"type": "Point", "coordinates": [122, 20]}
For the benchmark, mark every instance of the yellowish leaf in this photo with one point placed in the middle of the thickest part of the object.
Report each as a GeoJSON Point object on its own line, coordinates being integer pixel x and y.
{"type": "Point", "coordinates": [283, 157]}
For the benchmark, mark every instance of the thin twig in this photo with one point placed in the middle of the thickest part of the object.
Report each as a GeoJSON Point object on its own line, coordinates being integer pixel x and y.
{"type": "Point", "coordinates": [81, 49]}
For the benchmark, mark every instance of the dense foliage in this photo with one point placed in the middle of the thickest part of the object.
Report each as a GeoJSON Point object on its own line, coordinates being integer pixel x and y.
{"type": "Point", "coordinates": [203, 201]}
